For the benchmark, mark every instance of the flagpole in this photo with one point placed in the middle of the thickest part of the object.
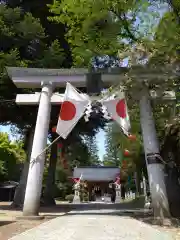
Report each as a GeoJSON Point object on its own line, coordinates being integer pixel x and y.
{"type": "Point", "coordinates": [46, 148]}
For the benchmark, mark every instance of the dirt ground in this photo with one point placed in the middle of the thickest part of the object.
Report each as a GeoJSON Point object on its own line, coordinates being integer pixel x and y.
{"type": "Point", "coordinates": [9, 226]}
{"type": "Point", "coordinates": [173, 229]}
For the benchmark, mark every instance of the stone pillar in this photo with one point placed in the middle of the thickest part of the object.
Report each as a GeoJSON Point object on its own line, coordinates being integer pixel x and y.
{"type": "Point", "coordinates": [118, 193]}
{"type": "Point", "coordinates": [36, 166]}
{"type": "Point", "coordinates": [76, 194]}
{"type": "Point", "coordinates": [155, 167]}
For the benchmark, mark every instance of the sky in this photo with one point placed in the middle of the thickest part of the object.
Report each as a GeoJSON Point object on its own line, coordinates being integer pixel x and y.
{"type": "Point", "coordinates": [6, 129]}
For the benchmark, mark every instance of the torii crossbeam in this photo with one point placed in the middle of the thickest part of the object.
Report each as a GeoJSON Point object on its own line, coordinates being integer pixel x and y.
{"type": "Point", "coordinates": [56, 98]}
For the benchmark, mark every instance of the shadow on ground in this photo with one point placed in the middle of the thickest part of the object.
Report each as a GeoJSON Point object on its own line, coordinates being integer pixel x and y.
{"type": "Point", "coordinates": [133, 209]}
{"type": "Point", "coordinates": [3, 223]}
{"type": "Point", "coordinates": [142, 215]}
{"type": "Point", "coordinates": [61, 207]}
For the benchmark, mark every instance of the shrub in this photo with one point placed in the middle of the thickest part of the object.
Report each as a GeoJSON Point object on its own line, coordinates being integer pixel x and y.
{"type": "Point", "coordinates": [70, 198]}
{"type": "Point", "coordinates": [86, 197]}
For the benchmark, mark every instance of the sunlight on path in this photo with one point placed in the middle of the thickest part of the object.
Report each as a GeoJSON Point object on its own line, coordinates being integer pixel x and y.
{"type": "Point", "coordinates": [91, 225]}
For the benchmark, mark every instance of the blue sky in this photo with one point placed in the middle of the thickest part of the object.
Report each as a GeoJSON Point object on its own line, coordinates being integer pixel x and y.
{"type": "Point", "coordinates": [5, 129]}
{"type": "Point", "coordinates": [100, 139]}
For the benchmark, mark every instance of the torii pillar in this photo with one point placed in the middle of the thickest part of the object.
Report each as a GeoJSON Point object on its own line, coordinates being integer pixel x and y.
{"type": "Point", "coordinates": [36, 167]}
{"type": "Point", "coordinates": [155, 167]}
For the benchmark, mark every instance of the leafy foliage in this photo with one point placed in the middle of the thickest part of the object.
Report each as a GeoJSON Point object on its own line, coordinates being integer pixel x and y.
{"type": "Point", "coordinates": [91, 144]}
{"type": "Point", "coordinates": [170, 144]}
{"type": "Point", "coordinates": [166, 43]}
{"type": "Point", "coordinates": [22, 44]}
{"type": "Point", "coordinates": [53, 57]}
{"type": "Point", "coordinates": [116, 143]}
{"type": "Point", "coordinates": [113, 155]}
{"type": "Point", "coordinates": [95, 28]}
{"type": "Point", "coordinates": [11, 158]}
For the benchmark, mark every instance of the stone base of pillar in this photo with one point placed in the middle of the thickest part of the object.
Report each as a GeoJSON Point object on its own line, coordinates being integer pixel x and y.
{"type": "Point", "coordinates": [35, 218]}
{"type": "Point", "coordinates": [107, 198]}
{"type": "Point", "coordinates": [76, 197]}
{"type": "Point", "coordinates": [118, 196]}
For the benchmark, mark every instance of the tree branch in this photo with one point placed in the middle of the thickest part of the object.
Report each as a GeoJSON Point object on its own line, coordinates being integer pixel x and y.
{"type": "Point", "coordinates": [122, 17]}
{"type": "Point", "coordinates": [175, 9]}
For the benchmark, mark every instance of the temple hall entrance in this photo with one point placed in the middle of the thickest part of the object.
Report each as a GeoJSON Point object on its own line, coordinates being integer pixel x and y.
{"type": "Point", "coordinates": [98, 183]}
{"type": "Point", "coordinates": [97, 190]}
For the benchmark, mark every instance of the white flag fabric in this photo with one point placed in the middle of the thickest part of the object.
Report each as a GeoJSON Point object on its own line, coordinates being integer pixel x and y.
{"type": "Point", "coordinates": [117, 109]}
{"type": "Point", "coordinates": [72, 109]}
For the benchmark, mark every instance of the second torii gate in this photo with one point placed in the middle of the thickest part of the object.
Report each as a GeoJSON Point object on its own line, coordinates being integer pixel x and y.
{"type": "Point", "coordinates": [50, 79]}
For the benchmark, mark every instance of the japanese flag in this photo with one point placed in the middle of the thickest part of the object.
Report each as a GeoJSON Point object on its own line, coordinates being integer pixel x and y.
{"type": "Point", "coordinates": [72, 109]}
{"type": "Point", "coordinates": [117, 109]}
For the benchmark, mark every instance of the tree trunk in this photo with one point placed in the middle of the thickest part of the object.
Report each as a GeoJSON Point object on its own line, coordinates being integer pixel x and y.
{"type": "Point", "coordinates": [137, 182]}
{"type": "Point", "coordinates": [173, 191]}
{"type": "Point", "coordinates": [154, 163]}
{"type": "Point", "coordinates": [20, 190]}
{"type": "Point", "coordinates": [48, 196]}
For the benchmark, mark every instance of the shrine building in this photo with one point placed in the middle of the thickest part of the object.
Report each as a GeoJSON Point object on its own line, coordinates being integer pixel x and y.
{"type": "Point", "coordinates": [97, 177]}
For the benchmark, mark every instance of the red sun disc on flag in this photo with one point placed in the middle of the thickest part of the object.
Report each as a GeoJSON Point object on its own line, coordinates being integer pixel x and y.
{"type": "Point", "coordinates": [121, 108]}
{"type": "Point", "coordinates": [68, 111]}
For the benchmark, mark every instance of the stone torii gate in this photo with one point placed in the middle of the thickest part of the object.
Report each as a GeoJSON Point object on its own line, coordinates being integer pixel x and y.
{"type": "Point", "coordinates": [49, 79]}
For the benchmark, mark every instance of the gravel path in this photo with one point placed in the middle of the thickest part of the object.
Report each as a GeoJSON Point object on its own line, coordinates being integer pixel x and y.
{"type": "Point", "coordinates": [93, 225]}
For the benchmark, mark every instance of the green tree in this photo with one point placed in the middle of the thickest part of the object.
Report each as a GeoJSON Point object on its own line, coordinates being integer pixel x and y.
{"type": "Point", "coordinates": [91, 144]}
{"type": "Point", "coordinates": [12, 157]}
{"type": "Point", "coordinates": [113, 154]}
{"type": "Point", "coordinates": [95, 28]}
{"type": "Point", "coordinates": [53, 57]}
{"type": "Point", "coordinates": [117, 142]}
{"type": "Point", "coordinates": [165, 44]}
{"type": "Point", "coordinates": [23, 43]}
{"type": "Point", "coordinates": [77, 153]}
{"type": "Point", "coordinates": [175, 5]}
{"type": "Point", "coordinates": [53, 31]}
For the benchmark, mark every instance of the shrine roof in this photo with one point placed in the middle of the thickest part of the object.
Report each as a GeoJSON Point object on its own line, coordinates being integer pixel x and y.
{"type": "Point", "coordinates": [96, 173]}
{"type": "Point", "coordinates": [97, 167]}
